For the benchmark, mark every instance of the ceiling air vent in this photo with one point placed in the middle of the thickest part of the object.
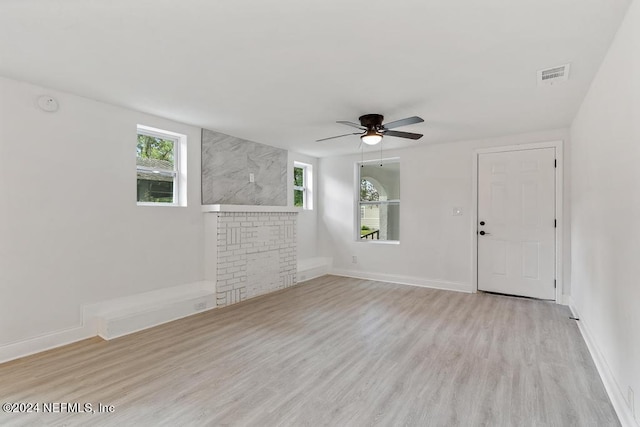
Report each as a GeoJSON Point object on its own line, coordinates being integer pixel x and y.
{"type": "Point", "coordinates": [553, 75]}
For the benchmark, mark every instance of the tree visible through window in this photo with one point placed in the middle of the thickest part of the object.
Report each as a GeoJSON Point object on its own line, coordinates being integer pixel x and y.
{"type": "Point", "coordinates": [379, 201]}
{"type": "Point", "coordinates": [157, 167]}
{"type": "Point", "coordinates": [152, 147]}
{"type": "Point", "coordinates": [298, 187]}
{"type": "Point", "coordinates": [368, 191]}
{"type": "Point", "coordinates": [302, 185]}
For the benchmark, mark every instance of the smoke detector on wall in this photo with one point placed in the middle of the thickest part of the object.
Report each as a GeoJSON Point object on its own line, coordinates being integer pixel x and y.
{"type": "Point", "coordinates": [550, 76]}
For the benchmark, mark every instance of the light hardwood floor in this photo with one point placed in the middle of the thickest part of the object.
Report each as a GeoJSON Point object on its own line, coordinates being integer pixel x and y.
{"type": "Point", "coordinates": [333, 351]}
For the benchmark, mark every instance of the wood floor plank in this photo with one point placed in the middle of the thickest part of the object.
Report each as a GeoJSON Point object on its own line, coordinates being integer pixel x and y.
{"type": "Point", "coordinates": [332, 351]}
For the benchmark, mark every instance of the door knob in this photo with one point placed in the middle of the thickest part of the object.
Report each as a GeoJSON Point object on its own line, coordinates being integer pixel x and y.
{"type": "Point", "coordinates": [482, 233]}
{"type": "Point", "coordinates": [482, 222]}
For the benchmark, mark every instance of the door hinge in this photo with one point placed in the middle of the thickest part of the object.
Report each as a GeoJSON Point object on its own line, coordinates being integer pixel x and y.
{"type": "Point", "coordinates": [555, 223]}
{"type": "Point", "coordinates": [554, 284]}
{"type": "Point", "coordinates": [555, 163]}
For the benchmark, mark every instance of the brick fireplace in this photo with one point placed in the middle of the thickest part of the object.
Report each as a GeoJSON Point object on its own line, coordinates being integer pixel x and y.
{"type": "Point", "coordinates": [250, 250]}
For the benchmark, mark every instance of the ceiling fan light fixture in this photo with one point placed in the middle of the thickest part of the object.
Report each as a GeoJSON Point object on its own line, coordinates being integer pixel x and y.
{"type": "Point", "coordinates": [371, 129]}
{"type": "Point", "coordinates": [371, 137]}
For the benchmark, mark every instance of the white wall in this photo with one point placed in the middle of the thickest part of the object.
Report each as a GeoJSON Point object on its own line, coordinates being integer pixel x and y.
{"type": "Point", "coordinates": [435, 247]}
{"type": "Point", "coordinates": [307, 219]}
{"type": "Point", "coordinates": [605, 221]}
{"type": "Point", "coordinates": [70, 230]}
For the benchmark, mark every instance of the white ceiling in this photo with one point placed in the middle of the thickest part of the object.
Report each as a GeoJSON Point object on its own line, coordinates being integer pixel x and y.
{"type": "Point", "coordinates": [282, 72]}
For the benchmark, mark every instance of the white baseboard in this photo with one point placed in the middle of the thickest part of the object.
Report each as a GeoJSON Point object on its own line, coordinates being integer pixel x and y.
{"type": "Point", "coordinates": [310, 268]}
{"type": "Point", "coordinates": [610, 384]}
{"type": "Point", "coordinates": [121, 316]}
{"type": "Point", "coordinates": [118, 323]}
{"type": "Point", "coordinates": [565, 300]}
{"type": "Point", "coordinates": [46, 342]}
{"type": "Point", "coordinates": [404, 280]}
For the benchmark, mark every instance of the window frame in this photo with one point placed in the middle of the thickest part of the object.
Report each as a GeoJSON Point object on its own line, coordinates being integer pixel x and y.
{"type": "Point", "coordinates": [179, 171]}
{"type": "Point", "coordinates": [306, 187]}
{"type": "Point", "coordinates": [359, 203]}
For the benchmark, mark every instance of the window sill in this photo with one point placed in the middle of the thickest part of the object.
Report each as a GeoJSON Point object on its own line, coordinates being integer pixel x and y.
{"type": "Point", "coordinates": [379, 242]}
{"type": "Point", "coordinates": [169, 205]}
{"type": "Point", "coordinates": [249, 208]}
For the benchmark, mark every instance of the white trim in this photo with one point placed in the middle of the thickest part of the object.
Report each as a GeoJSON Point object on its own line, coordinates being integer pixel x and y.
{"type": "Point", "coordinates": [248, 208]}
{"type": "Point", "coordinates": [169, 205]}
{"type": "Point", "coordinates": [163, 172]}
{"type": "Point", "coordinates": [179, 172]}
{"type": "Point", "coordinates": [395, 159]}
{"type": "Point", "coordinates": [380, 202]}
{"type": "Point", "coordinates": [558, 146]}
{"type": "Point", "coordinates": [310, 268]}
{"type": "Point", "coordinates": [124, 321]}
{"type": "Point", "coordinates": [159, 133]}
{"type": "Point", "coordinates": [565, 300]}
{"type": "Point", "coordinates": [358, 203]}
{"type": "Point", "coordinates": [403, 280]}
{"type": "Point", "coordinates": [158, 306]}
{"type": "Point", "coordinates": [307, 184]}
{"type": "Point", "coordinates": [616, 396]}
{"type": "Point", "coordinates": [45, 342]}
{"type": "Point", "coordinates": [378, 242]}
{"type": "Point", "coordinates": [474, 223]}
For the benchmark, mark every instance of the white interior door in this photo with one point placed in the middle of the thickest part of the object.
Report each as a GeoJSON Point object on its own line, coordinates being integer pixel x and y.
{"type": "Point", "coordinates": [516, 223]}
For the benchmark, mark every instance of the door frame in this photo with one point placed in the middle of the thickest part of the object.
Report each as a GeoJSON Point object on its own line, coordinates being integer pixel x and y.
{"type": "Point", "coordinates": [558, 146]}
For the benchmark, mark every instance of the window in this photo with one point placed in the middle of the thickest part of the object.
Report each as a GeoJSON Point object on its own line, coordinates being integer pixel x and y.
{"type": "Point", "coordinates": [378, 189]}
{"type": "Point", "coordinates": [158, 160]}
{"type": "Point", "coordinates": [302, 189]}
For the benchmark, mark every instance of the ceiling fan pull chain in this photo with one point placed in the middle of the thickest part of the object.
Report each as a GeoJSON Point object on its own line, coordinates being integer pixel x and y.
{"type": "Point", "coordinates": [381, 153]}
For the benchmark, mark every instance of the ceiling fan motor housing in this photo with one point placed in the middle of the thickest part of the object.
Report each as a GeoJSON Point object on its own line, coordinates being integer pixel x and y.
{"type": "Point", "coordinates": [372, 130]}
{"type": "Point", "coordinates": [372, 121]}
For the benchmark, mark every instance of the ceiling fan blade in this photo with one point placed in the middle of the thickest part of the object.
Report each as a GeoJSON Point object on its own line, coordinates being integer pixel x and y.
{"type": "Point", "coordinates": [355, 125]}
{"type": "Point", "coordinates": [409, 135]}
{"type": "Point", "coordinates": [403, 122]}
{"type": "Point", "coordinates": [334, 137]}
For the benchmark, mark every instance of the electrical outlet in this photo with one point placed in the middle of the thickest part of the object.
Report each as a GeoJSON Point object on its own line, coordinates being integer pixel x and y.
{"type": "Point", "coordinates": [631, 401]}
{"type": "Point", "coordinates": [354, 259]}
{"type": "Point", "coordinates": [252, 177]}
{"type": "Point", "coordinates": [200, 306]}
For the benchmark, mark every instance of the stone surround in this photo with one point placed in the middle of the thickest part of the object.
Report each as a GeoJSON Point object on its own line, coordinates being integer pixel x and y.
{"type": "Point", "coordinates": [227, 163]}
{"type": "Point", "coordinates": [255, 254]}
